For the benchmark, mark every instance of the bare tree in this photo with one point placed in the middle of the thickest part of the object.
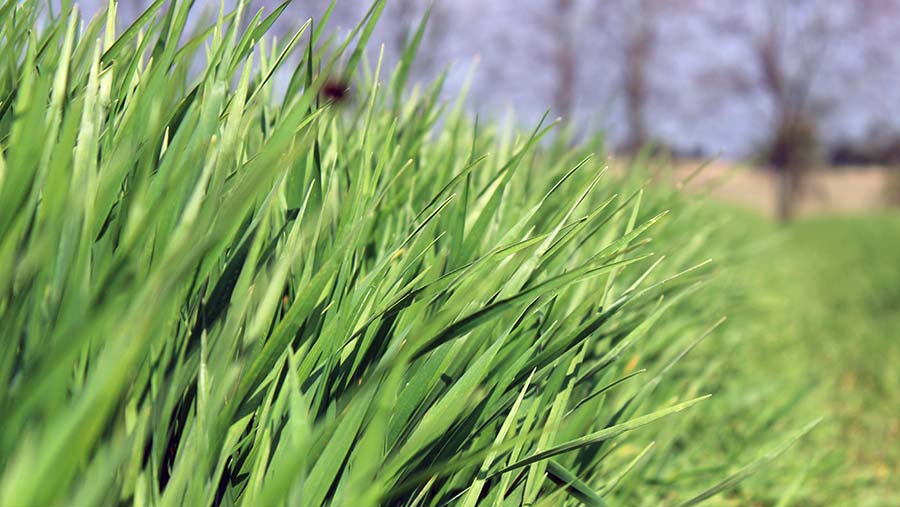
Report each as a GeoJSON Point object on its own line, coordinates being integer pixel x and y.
{"type": "Point", "coordinates": [552, 51]}
{"type": "Point", "coordinates": [565, 61]}
{"type": "Point", "coordinates": [795, 139]}
{"type": "Point", "coordinates": [629, 30]}
{"type": "Point", "coordinates": [637, 50]}
{"type": "Point", "coordinates": [787, 45]}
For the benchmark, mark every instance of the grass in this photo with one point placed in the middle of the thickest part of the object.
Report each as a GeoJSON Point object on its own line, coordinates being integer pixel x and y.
{"type": "Point", "coordinates": [813, 333]}
{"type": "Point", "coordinates": [839, 312]}
{"type": "Point", "coordinates": [215, 293]}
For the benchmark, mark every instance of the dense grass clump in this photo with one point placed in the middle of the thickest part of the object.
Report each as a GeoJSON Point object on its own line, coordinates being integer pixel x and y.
{"type": "Point", "coordinates": [214, 293]}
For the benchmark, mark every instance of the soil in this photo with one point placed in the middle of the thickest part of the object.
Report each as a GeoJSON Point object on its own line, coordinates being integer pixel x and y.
{"type": "Point", "coordinates": [825, 190]}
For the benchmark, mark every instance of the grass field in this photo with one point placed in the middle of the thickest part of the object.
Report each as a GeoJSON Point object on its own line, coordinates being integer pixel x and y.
{"type": "Point", "coordinates": [215, 293]}
{"type": "Point", "coordinates": [838, 301]}
{"type": "Point", "coordinates": [820, 318]}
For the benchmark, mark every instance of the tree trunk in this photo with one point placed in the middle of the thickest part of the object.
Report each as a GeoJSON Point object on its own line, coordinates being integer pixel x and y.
{"type": "Point", "coordinates": [564, 93]}
{"type": "Point", "coordinates": [786, 192]}
{"type": "Point", "coordinates": [637, 52]}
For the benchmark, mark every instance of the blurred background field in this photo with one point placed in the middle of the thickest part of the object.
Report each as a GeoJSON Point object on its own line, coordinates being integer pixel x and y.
{"type": "Point", "coordinates": [822, 316]}
{"type": "Point", "coordinates": [797, 106]}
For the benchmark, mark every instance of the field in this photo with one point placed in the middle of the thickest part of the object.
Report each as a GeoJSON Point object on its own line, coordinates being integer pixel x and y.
{"type": "Point", "coordinates": [833, 324]}
{"type": "Point", "coordinates": [821, 320]}
{"type": "Point", "coordinates": [350, 292]}
{"type": "Point", "coordinates": [827, 190]}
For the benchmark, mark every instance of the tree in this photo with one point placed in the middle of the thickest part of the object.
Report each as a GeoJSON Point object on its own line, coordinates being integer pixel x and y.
{"type": "Point", "coordinates": [787, 44]}
{"type": "Point", "coordinates": [628, 29]}
{"type": "Point", "coordinates": [637, 48]}
{"type": "Point", "coordinates": [565, 60]}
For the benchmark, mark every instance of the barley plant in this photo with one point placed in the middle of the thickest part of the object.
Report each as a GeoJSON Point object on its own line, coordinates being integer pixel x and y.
{"type": "Point", "coordinates": [236, 270]}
